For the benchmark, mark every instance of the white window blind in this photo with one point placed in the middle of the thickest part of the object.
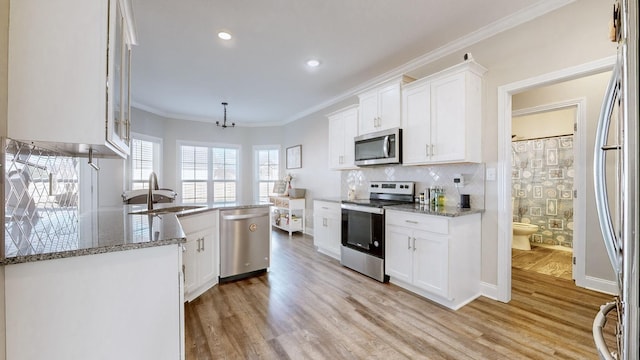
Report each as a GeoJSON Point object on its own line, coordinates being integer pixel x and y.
{"type": "Point", "coordinates": [209, 174]}
{"type": "Point", "coordinates": [268, 170]}
{"type": "Point", "coordinates": [144, 158]}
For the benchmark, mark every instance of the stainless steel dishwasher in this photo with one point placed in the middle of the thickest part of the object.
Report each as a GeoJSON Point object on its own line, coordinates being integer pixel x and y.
{"type": "Point", "coordinates": [245, 242]}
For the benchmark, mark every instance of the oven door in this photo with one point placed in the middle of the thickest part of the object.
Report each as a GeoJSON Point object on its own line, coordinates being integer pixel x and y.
{"type": "Point", "coordinates": [363, 229]}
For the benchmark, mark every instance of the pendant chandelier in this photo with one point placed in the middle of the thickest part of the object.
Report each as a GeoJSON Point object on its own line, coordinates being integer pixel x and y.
{"type": "Point", "coordinates": [224, 122]}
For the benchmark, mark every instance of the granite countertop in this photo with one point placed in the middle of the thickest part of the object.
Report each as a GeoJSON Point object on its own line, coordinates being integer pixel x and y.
{"type": "Point", "coordinates": [115, 229]}
{"type": "Point", "coordinates": [444, 211]}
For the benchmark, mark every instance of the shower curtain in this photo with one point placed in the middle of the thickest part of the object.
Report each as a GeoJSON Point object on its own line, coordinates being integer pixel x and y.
{"type": "Point", "coordinates": [542, 187]}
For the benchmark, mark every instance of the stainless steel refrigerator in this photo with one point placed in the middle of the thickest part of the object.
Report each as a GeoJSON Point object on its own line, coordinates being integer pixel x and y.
{"type": "Point", "coordinates": [616, 186]}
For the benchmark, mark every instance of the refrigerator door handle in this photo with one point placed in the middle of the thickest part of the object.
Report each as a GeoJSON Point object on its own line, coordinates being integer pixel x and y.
{"type": "Point", "coordinates": [598, 335]}
{"type": "Point", "coordinates": [599, 170]}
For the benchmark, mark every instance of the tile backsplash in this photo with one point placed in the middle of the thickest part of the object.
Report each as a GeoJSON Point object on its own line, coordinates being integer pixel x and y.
{"type": "Point", "coordinates": [41, 200]}
{"type": "Point", "coordinates": [424, 177]}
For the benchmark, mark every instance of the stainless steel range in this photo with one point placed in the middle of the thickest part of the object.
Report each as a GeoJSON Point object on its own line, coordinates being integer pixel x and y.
{"type": "Point", "coordinates": [363, 226]}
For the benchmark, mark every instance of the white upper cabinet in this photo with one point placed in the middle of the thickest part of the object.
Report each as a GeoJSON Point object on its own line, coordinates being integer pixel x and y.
{"type": "Point", "coordinates": [380, 107]}
{"type": "Point", "coordinates": [442, 116]}
{"type": "Point", "coordinates": [69, 64]}
{"type": "Point", "coordinates": [343, 127]}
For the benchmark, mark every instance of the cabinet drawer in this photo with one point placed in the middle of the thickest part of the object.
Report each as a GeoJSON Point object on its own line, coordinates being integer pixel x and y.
{"type": "Point", "coordinates": [327, 209]}
{"type": "Point", "coordinates": [434, 224]}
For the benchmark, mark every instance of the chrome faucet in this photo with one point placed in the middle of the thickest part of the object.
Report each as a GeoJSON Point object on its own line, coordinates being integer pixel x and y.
{"type": "Point", "coordinates": [153, 185]}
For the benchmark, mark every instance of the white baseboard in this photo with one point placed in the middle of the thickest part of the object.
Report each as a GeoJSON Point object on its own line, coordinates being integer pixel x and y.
{"type": "Point", "coordinates": [489, 290]}
{"type": "Point", "coordinates": [601, 285]}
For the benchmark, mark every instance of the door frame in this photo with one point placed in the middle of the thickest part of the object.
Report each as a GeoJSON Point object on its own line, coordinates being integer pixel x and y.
{"type": "Point", "coordinates": [505, 210]}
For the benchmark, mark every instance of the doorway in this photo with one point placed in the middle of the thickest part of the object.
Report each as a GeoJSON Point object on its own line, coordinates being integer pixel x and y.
{"type": "Point", "coordinates": [505, 107]}
{"type": "Point", "coordinates": [543, 184]}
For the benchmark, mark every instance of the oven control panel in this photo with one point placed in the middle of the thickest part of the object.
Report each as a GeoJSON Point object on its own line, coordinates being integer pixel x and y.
{"type": "Point", "coordinates": [392, 187]}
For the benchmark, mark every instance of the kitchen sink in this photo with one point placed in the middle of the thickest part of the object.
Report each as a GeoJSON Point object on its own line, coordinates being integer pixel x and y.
{"type": "Point", "coordinates": [167, 210]}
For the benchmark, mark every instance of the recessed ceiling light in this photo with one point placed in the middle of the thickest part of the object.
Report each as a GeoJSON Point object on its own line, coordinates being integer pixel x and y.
{"type": "Point", "coordinates": [313, 63]}
{"type": "Point", "coordinates": [224, 35]}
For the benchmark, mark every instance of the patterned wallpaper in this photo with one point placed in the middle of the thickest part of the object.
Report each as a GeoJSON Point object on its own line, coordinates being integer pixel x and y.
{"type": "Point", "coordinates": [542, 188]}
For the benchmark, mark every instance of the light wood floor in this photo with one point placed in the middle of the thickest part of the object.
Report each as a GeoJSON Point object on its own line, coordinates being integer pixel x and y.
{"type": "Point", "coordinates": [310, 307]}
{"type": "Point", "coordinates": [544, 261]}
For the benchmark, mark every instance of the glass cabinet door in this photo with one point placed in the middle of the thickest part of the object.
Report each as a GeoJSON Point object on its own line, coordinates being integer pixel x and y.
{"type": "Point", "coordinates": [118, 125]}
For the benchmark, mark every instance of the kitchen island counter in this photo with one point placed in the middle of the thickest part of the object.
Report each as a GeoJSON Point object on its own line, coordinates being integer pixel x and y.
{"type": "Point", "coordinates": [113, 229]}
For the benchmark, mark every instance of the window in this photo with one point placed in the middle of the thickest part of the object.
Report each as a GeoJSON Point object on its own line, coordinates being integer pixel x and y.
{"type": "Point", "coordinates": [268, 171]}
{"type": "Point", "coordinates": [209, 173]}
{"type": "Point", "coordinates": [144, 158]}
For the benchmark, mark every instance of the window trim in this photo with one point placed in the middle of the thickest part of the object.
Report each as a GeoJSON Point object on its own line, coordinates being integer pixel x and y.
{"type": "Point", "coordinates": [209, 146]}
{"type": "Point", "coordinates": [256, 175]}
{"type": "Point", "coordinates": [159, 155]}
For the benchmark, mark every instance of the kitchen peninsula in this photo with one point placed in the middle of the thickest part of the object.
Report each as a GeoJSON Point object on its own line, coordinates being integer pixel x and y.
{"type": "Point", "coordinates": [118, 292]}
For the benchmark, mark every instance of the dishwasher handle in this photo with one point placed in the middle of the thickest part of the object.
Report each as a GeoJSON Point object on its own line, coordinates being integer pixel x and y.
{"type": "Point", "coordinates": [244, 216]}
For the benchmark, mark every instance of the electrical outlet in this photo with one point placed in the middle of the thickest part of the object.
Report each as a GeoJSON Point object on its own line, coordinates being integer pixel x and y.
{"type": "Point", "coordinates": [458, 180]}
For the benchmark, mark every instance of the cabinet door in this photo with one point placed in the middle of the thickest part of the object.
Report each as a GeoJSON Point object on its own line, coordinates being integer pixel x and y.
{"type": "Point", "coordinates": [320, 231]}
{"type": "Point", "coordinates": [350, 131]}
{"type": "Point", "coordinates": [118, 86]}
{"type": "Point", "coordinates": [416, 117]}
{"type": "Point", "coordinates": [398, 253]}
{"type": "Point", "coordinates": [389, 107]}
{"type": "Point", "coordinates": [448, 118]}
{"type": "Point", "coordinates": [368, 115]}
{"type": "Point", "coordinates": [334, 235]}
{"type": "Point", "coordinates": [430, 262]}
{"type": "Point", "coordinates": [189, 264]}
{"type": "Point", "coordinates": [207, 257]}
{"type": "Point", "coordinates": [336, 142]}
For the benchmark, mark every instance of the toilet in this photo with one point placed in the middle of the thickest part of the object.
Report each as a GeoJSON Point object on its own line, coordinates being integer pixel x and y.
{"type": "Point", "coordinates": [521, 234]}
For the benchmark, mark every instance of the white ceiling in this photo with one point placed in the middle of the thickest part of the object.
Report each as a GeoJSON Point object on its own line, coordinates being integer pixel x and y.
{"type": "Point", "coordinates": [182, 70]}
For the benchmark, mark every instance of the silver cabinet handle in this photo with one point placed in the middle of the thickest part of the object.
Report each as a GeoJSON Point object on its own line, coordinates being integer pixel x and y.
{"type": "Point", "coordinates": [432, 151]}
{"type": "Point", "coordinates": [426, 149]}
{"type": "Point", "coordinates": [202, 241]}
{"type": "Point", "coordinates": [411, 222]}
{"type": "Point", "coordinates": [408, 242]}
{"type": "Point", "coordinates": [414, 244]}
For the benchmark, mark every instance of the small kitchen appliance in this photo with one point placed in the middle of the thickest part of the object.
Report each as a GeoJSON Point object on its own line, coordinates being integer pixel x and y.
{"type": "Point", "coordinates": [363, 229]}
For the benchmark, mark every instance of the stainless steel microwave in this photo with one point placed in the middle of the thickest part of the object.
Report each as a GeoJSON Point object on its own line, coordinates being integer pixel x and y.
{"type": "Point", "coordinates": [382, 147]}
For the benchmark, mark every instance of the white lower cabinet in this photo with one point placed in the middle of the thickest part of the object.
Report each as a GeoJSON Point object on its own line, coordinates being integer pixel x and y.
{"type": "Point", "coordinates": [434, 256]}
{"type": "Point", "coordinates": [116, 305]}
{"type": "Point", "coordinates": [200, 256]}
{"type": "Point", "coordinates": [327, 232]}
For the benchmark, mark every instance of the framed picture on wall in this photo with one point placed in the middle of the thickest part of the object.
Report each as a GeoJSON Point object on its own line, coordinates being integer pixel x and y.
{"type": "Point", "coordinates": [294, 157]}
{"type": "Point", "coordinates": [535, 211]}
{"type": "Point", "coordinates": [536, 238]}
{"type": "Point", "coordinates": [556, 174]}
{"type": "Point", "coordinates": [552, 207]}
{"type": "Point", "coordinates": [515, 174]}
{"type": "Point", "coordinates": [552, 156]}
{"type": "Point", "coordinates": [538, 145]}
{"type": "Point", "coordinates": [537, 192]}
{"type": "Point", "coordinates": [566, 194]}
{"type": "Point", "coordinates": [556, 224]}
{"type": "Point", "coordinates": [536, 163]}
{"type": "Point", "coordinates": [566, 142]}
